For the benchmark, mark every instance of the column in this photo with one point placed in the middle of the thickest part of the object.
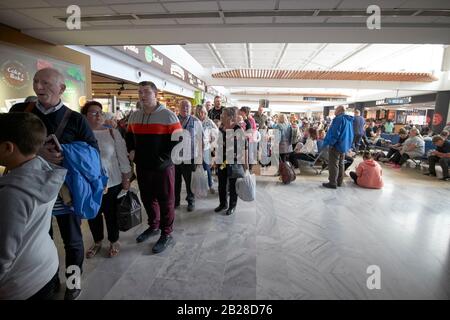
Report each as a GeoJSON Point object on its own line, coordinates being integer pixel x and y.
{"type": "Point", "coordinates": [326, 111]}
{"type": "Point", "coordinates": [441, 115]}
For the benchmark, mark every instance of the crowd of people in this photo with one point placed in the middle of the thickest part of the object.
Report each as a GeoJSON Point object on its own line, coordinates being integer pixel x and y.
{"type": "Point", "coordinates": [141, 145]}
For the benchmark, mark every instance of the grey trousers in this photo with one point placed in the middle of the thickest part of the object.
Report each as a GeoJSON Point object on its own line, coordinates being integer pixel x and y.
{"type": "Point", "coordinates": [335, 166]}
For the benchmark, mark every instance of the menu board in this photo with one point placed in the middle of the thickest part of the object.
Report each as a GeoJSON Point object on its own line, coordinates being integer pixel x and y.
{"type": "Point", "coordinates": [415, 119]}
{"type": "Point", "coordinates": [17, 68]}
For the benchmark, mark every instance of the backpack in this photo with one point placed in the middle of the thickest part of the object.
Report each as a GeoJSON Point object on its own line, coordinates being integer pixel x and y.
{"type": "Point", "coordinates": [287, 173]}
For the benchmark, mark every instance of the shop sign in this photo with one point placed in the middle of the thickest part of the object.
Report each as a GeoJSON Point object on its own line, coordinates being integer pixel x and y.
{"type": "Point", "coordinates": [393, 101]}
{"type": "Point", "coordinates": [405, 100]}
{"type": "Point", "coordinates": [14, 74]}
{"type": "Point", "coordinates": [153, 57]}
{"type": "Point", "coordinates": [133, 49]}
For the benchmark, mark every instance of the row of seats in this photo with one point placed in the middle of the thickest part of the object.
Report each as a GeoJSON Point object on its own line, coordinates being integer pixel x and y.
{"type": "Point", "coordinates": [395, 138]}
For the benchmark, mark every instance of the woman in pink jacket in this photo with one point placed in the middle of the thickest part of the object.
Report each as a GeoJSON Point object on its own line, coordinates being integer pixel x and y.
{"type": "Point", "coordinates": [368, 173]}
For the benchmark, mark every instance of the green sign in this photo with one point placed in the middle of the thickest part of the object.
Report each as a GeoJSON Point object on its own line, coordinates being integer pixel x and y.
{"type": "Point", "coordinates": [148, 54]}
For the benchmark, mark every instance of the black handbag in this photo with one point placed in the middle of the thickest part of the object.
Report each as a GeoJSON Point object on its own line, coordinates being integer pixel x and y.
{"type": "Point", "coordinates": [129, 211]}
{"type": "Point", "coordinates": [235, 171]}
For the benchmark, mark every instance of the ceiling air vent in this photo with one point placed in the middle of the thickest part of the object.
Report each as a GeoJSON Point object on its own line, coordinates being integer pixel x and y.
{"type": "Point", "coordinates": [102, 18]}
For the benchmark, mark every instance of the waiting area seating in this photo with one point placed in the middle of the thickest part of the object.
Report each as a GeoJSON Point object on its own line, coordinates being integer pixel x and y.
{"type": "Point", "coordinates": [318, 163]}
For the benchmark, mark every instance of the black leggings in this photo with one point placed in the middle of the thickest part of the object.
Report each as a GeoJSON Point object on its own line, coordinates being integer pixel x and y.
{"type": "Point", "coordinates": [399, 158]}
{"type": "Point", "coordinates": [109, 210]}
{"type": "Point", "coordinates": [354, 176]}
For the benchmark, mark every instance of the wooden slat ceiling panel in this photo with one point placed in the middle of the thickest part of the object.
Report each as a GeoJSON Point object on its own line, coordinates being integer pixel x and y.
{"type": "Point", "coordinates": [325, 75]}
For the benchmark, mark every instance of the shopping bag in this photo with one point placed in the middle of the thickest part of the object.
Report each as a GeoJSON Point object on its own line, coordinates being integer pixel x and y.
{"type": "Point", "coordinates": [199, 183]}
{"type": "Point", "coordinates": [129, 211]}
{"type": "Point", "coordinates": [246, 187]}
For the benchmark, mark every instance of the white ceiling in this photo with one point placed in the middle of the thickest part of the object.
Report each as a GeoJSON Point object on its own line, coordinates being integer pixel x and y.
{"type": "Point", "coordinates": [269, 34]}
{"type": "Point", "coordinates": [318, 56]}
{"type": "Point", "coordinates": [185, 21]}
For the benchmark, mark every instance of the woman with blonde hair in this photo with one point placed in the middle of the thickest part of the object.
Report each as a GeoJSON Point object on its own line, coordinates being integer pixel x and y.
{"type": "Point", "coordinates": [285, 130]}
{"type": "Point", "coordinates": [210, 134]}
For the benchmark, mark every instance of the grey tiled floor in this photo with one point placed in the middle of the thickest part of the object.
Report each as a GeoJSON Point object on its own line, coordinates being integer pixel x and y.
{"type": "Point", "coordinates": [299, 241]}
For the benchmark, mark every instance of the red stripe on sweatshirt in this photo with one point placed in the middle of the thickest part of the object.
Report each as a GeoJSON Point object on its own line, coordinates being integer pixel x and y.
{"type": "Point", "coordinates": [154, 128]}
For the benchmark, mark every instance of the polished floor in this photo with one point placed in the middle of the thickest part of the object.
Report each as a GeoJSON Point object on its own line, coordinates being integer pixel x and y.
{"type": "Point", "coordinates": [297, 241]}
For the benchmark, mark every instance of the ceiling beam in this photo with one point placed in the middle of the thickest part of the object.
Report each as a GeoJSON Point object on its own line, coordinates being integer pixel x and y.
{"type": "Point", "coordinates": [313, 55]}
{"type": "Point", "coordinates": [212, 48]}
{"type": "Point", "coordinates": [351, 54]}
{"type": "Point", "coordinates": [249, 57]}
{"type": "Point", "coordinates": [280, 57]}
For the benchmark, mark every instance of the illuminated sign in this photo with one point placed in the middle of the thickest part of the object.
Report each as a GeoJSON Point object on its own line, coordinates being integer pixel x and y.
{"type": "Point", "coordinates": [398, 100]}
{"type": "Point", "coordinates": [153, 57]}
{"type": "Point", "coordinates": [392, 101]}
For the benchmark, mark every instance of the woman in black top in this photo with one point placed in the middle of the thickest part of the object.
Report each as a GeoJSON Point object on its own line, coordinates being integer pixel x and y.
{"type": "Point", "coordinates": [229, 172]}
{"type": "Point", "coordinates": [398, 146]}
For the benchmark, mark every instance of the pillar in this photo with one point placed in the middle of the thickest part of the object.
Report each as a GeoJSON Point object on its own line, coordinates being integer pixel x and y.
{"type": "Point", "coordinates": [441, 111]}
{"type": "Point", "coordinates": [326, 111]}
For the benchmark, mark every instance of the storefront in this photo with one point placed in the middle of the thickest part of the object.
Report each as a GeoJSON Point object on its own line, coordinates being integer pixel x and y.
{"type": "Point", "coordinates": [415, 110]}
{"type": "Point", "coordinates": [133, 64]}
{"type": "Point", "coordinates": [22, 56]}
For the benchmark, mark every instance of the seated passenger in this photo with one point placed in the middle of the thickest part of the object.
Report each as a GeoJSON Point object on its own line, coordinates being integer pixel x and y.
{"type": "Point", "coordinates": [321, 134]}
{"type": "Point", "coordinates": [307, 151]}
{"type": "Point", "coordinates": [395, 148]}
{"type": "Point", "coordinates": [368, 173]}
{"type": "Point", "coordinates": [441, 155]}
{"type": "Point", "coordinates": [348, 159]}
{"type": "Point", "coordinates": [413, 147]}
{"type": "Point", "coordinates": [376, 138]}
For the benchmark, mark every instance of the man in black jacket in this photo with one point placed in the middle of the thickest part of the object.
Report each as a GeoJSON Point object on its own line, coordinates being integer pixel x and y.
{"type": "Point", "coordinates": [216, 111]}
{"type": "Point", "coordinates": [48, 84]}
{"type": "Point", "coordinates": [441, 155]}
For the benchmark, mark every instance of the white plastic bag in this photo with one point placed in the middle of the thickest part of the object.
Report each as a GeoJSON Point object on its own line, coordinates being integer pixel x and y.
{"type": "Point", "coordinates": [246, 187]}
{"type": "Point", "coordinates": [199, 182]}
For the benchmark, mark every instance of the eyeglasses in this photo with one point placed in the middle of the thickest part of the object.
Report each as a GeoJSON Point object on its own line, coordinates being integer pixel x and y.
{"type": "Point", "coordinates": [96, 113]}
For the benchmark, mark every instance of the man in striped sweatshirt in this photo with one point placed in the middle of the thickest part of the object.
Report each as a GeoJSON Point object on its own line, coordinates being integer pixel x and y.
{"type": "Point", "coordinates": [149, 143]}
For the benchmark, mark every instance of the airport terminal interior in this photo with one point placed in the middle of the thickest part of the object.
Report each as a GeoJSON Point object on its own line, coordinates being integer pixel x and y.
{"type": "Point", "coordinates": [297, 65]}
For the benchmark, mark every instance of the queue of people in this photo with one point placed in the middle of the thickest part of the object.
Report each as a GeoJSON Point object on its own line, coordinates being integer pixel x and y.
{"type": "Point", "coordinates": [31, 189]}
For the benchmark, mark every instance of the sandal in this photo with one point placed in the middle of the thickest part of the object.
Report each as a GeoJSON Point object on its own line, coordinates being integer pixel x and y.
{"type": "Point", "coordinates": [93, 250]}
{"type": "Point", "coordinates": [114, 249]}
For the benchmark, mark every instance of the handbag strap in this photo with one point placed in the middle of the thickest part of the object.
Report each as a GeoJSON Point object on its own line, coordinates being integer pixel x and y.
{"type": "Point", "coordinates": [30, 107]}
{"type": "Point", "coordinates": [63, 124]}
{"type": "Point", "coordinates": [112, 134]}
